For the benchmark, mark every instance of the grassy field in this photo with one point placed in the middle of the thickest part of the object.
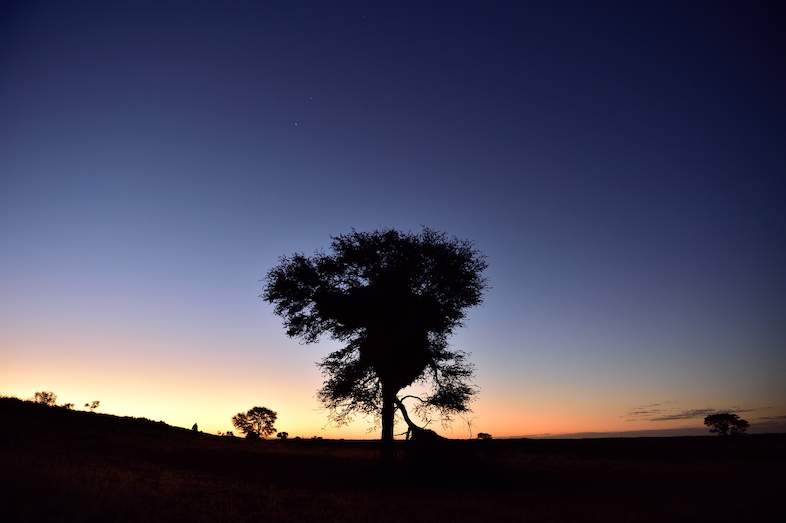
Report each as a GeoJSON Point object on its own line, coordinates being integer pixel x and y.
{"type": "Point", "coordinates": [60, 465]}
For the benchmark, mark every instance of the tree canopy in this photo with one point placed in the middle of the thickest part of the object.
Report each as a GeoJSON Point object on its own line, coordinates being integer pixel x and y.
{"type": "Point", "coordinates": [392, 299]}
{"type": "Point", "coordinates": [726, 423]}
{"type": "Point", "coordinates": [258, 422]}
{"type": "Point", "coordinates": [45, 398]}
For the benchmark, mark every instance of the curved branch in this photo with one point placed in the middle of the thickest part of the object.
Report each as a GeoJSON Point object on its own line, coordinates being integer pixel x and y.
{"type": "Point", "coordinates": [405, 415]}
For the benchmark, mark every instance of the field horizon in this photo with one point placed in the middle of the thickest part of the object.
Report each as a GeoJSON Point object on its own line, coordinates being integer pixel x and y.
{"type": "Point", "coordinates": [65, 465]}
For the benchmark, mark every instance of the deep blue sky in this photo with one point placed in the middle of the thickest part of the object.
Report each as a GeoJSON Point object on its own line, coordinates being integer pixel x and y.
{"type": "Point", "coordinates": [622, 167]}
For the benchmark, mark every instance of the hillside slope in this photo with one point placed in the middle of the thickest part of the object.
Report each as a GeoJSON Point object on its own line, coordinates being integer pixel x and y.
{"type": "Point", "coordinates": [60, 465]}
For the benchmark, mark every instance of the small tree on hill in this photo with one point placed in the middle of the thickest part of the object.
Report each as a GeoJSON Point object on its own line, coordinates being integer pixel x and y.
{"type": "Point", "coordinates": [45, 398]}
{"type": "Point", "coordinates": [93, 405]}
{"type": "Point", "coordinates": [484, 435]}
{"type": "Point", "coordinates": [68, 406]}
{"type": "Point", "coordinates": [726, 423]}
{"type": "Point", "coordinates": [258, 422]}
{"type": "Point", "coordinates": [282, 435]}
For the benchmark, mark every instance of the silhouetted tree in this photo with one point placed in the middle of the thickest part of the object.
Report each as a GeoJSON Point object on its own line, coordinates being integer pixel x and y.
{"type": "Point", "coordinates": [282, 435]}
{"type": "Point", "coordinates": [484, 435]}
{"type": "Point", "coordinates": [45, 398]}
{"type": "Point", "coordinates": [68, 406]}
{"type": "Point", "coordinates": [256, 423]}
{"type": "Point", "coordinates": [726, 423]}
{"type": "Point", "coordinates": [93, 405]}
{"type": "Point", "coordinates": [195, 428]}
{"type": "Point", "coordinates": [393, 299]}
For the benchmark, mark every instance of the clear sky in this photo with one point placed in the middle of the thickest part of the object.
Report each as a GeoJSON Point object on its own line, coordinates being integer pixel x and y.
{"type": "Point", "coordinates": [621, 167]}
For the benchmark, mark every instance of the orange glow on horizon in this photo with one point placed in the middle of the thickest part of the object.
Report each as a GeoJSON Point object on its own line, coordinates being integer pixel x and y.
{"type": "Point", "coordinates": [158, 392]}
{"type": "Point", "coordinates": [183, 384]}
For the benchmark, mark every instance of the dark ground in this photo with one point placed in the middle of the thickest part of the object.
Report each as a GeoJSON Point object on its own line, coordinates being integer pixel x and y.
{"type": "Point", "coordinates": [60, 465]}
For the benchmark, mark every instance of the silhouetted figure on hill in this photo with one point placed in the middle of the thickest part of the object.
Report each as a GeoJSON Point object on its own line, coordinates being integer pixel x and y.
{"type": "Point", "coordinates": [726, 424]}
{"type": "Point", "coordinates": [393, 298]}
{"type": "Point", "coordinates": [195, 428]}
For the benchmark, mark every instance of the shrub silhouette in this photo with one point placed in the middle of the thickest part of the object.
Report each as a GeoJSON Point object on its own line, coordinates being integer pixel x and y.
{"type": "Point", "coordinates": [282, 435]}
{"type": "Point", "coordinates": [726, 423]}
{"type": "Point", "coordinates": [195, 428]}
{"type": "Point", "coordinates": [45, 398]}
{"type": "Point", "coordinates": [258, 422]}
{"type": "Point", "coordinates": [393, 298]}
{"type": "Point", "coordinates": [484, 435]}
{"type": "Point", "coordinates": [68, 406]}
{"type": "Point", "coordinates": [93, 405]}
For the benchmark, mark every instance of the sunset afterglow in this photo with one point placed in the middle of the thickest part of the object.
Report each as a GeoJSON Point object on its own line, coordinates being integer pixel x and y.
{"type": "Point", "coordinates": [155, 165]}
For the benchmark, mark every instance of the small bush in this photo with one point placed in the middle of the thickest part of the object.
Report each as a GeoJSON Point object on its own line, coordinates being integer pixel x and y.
{"type": "Point", "coordinates": [45, 398]}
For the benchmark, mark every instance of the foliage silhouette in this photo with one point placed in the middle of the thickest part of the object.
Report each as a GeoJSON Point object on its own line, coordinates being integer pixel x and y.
{"type": "Point", "coordinates": [484, 435]}
{"type": "Point", "coordinates": [68, 406]}
{"type": "Point", "coordinates": [45, 398]}
{"type": "Point", "coordinates": [93, 405]}
{"type": "Point", "coordinates": [726, 423]}
{"type": "Point", "coordinates": [393, 299]}
{"type": "Point", "coordinates": [282, 435]}
{"type": "Point", "coordinates": [258, 422]}
{"type": "Point", "coordinates": [195, 428]}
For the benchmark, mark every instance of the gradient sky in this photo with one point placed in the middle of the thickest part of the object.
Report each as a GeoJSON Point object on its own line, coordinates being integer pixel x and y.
{"type": "Point", "coordinates": [622, 168]}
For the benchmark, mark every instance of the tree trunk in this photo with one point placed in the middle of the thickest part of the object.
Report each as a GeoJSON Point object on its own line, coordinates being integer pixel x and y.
{"type": "Point", "coordinates": [388, 412]}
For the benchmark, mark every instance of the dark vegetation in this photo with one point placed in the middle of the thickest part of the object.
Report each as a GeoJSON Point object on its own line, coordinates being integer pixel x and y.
{"type": "Point", "coordinates": [45, 398]}
{"type": "Point", "coordinates": [726, 424]}
{"type": "Point", "coordinates": [257, 423]}
{"type": "Point", "coordinates": [393, 299]}
{"type": "Point", "coordinates": [67, 465]}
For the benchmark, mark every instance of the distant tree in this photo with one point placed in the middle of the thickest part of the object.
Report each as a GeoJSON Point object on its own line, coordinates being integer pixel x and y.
{"type": "Point", "coordinates": [258, 422]}
{"type": "Point", "coordinates": [195, 428]}
{"type": "Point", "coordinates": [45, 398]}
{"type": "Point", "coordinates": [68, 406]}
{"type": "Point", "coordinates": [93, 405]}
{"type": "Point", "coordinates": [726, 423]}
{"type": "Point", "coordinates": [484, 435]}
{"type": "Point", "coordinates": [393, 299]}
{"type": "Point", "coordinates": [282, 435]}
{"type": "Point", "coordinates": [229, 434]}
